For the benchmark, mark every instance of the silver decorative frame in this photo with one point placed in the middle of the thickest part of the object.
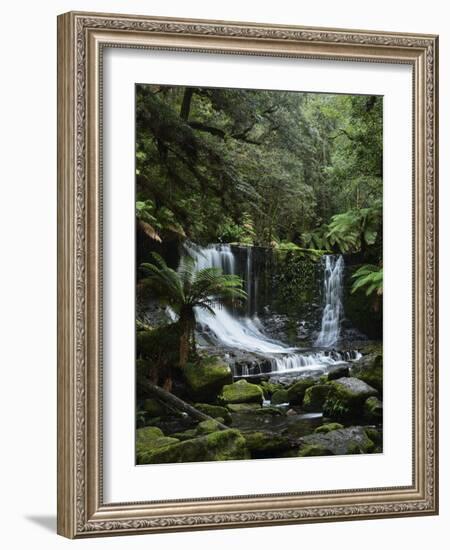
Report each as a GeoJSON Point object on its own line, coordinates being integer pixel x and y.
{"type": "Point", "coordinates": [81, 37]}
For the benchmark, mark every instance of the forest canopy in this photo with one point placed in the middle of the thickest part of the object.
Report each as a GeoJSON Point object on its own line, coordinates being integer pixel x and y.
{"type": "Point", "coordinates": [269, 168]}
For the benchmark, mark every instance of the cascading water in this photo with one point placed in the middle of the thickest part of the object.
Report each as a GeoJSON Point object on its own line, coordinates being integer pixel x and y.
{"type": "Point", "coordinates": [333, 309]}
{"type": "Point", "coordinates": [246, 332]}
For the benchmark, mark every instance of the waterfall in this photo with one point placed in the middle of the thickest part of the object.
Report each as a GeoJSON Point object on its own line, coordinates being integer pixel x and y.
{"type": "Point", "coordinates": [333, 309]}
{"type": "Point", "coordinates": [246, 332]}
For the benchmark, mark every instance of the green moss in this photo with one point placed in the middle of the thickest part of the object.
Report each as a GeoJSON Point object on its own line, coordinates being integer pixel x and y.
{"type": "Point", "coordinates": [214, 411]}
{"type": "Point", "coordinates": [265, 444]}
{"type": "Point", "coordinates": [326, 428]}
{"type": "Point", "coordinates": [206, 379]}
{"type": "Point", "coordinates": [314, 450]}
{"type": "Point", "coordinates": [147, 434]}
{"type": "Point", "coordinates": [245, 408]}
{"type": "Point", "coordinates": [207, 426]}
{"type": "Point", "coordinates": [375, 435]}
{"type": "Point", "coordinates": [373, 409]}
{"type": "Point", "coordinates": [296, 392]}
{"type": "Point", "coordinates": [346, 398]}
{"type": "Point", "coordinates": [242, 392]}
{"type": "Point", "coordinates": [221, 445]}
{"type": "Point", "coordinates": [269, 388]}
{"type": "Point", "coordinates": [370, 370]}
{"type": "Point", "coordinates": [315, 397]}
{"type": "Point", "coordinates": [187, 434]}
{"type": "Point", "coordinates": [280, 397]}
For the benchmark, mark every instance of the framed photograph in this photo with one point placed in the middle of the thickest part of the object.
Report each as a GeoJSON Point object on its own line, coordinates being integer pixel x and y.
{"type": "Point", "coordinates": [247, 277]}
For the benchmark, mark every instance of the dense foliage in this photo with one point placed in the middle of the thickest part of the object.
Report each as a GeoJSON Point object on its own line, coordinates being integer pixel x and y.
{"type": "Point", "coordinates": [259, 167]}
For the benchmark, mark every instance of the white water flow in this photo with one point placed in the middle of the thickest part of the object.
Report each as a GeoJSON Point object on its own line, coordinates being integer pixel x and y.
{"type": "Point", "coordinates": [246, 333]}
{"type": "Point", "coordinates": [333, 309]}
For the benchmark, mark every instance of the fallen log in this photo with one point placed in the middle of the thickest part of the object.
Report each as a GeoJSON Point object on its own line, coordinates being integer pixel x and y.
{"type": "Point", "coordinates": [174, 402]}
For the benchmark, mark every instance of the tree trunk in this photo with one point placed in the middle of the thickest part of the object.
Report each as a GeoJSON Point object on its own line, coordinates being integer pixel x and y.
{"type": "Point", "coordinates": [186, 105]}
{"type": "Point", "coordinates": [174, 402]}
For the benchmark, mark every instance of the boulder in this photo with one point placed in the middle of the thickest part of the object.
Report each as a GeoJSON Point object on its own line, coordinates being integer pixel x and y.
{"type": "Point", "coordinates": [339, 372]}
{"type": "Point", "coordinates": [242, 392]}
{"type": "Point", "coordinates": [266, 444]}
{"type": "Point", "coordinates": [296, 392]}
{"type": "Point", "coordinates": [373, 408]}
{"type": "Point", "coordinates": [150, 439]}
{"type": "Point", "coordinates": [187, 434]}
{"type": "Point", "coordinates": [326, 428]}
{"type": "Point", "coordinates": [315, 397]}
{"type": "Point", "coordinates": [370, 370]}
{"type": "Point", "coordinates": [221, 445]}
{"type": "Point", "coordinates": [280, 397]}
{"type": "Point", "coordinates": [206, 379]}
{"type": "Point", "coordinates": [214, 411]}
{"type": "Point", "coordinates": [207, 427]}
{"type": "Point", "coordinates": [343, 441]}
{"type": "Point", "coordinates": [347, 397]}
{"type": "Point", "coordinates": [269, 388]}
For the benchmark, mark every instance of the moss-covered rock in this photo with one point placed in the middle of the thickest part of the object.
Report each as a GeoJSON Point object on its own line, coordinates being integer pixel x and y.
{"type": "Point", "coordinates": [269, 388]}
{"type": "Point", "coordinates": [187, 434]}
{"type": "Point", "coordinates": [343, 441]}
{"type": "Point", "coordinates": [326, 428]}
{"type": "Point", "coordinates": [376, 436]}
{"type": "Point", "coordinates": [150, 439]}
{"type": "Point", "coordinates": [214, 411]}
{"type": "Point", "coordinates": [339, 372]}
{"type": "Point", "coordinates": [242, 392]}
{"type": "Point", "coordinates": [266, 444]}
{"type": "Point", "coordinates": [149, 433]}
{"type": "Point", "coordinates": [373, 409]}
{"type": "Point", "coordinates": [207, 427]}
{"type": "Point", "coordinates": [314, 450]}
{"type": "Point", "coordinates": [221, 445]}
{"type": "Point", "coordinates": [245, 408]}
{"type": "Point", "coordinates": [280, 397]}
{"type": "Point", "coordinates": [347, 397]}
{"type": "Point", "coordinates": [315, 397]}
{"type": "Point", "coordinates": [296, 392]}
{"type": "Point", "coordinates": [369, 369]}
{"type": "Point", "coordinates": [206, 379]}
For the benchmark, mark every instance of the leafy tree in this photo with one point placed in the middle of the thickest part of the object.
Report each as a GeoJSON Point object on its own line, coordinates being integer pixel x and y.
{"type": "Point", "coordinates": [187, 289]}
{"type": "Point", "coordinates": [369, 278]}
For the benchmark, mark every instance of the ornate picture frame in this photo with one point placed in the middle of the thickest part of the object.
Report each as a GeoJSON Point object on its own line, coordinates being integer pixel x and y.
{"type": "Point", "coordinates": [82, 38]}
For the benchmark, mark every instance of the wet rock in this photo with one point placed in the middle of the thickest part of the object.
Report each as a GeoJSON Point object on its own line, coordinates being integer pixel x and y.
{"type": "Point", "coordinates": [315, 397]}
{"type": "Point", "coordinates": [221, 445]}
{"type": "Point", "coordinates": [280, 397]}
{"type": "Point", "coordinates": [266, 444]}
{"type": "Point", "coordinates": [242, 392]}
{"type": "Point", "coordinates": [344, 441]}
{"type": "Point", "coordinates": [347, 397]}
{"type": "Point", "coordinates": [207, 427]}
{"type": "Point", "coordinates": [206, 379]}
{"type": "Point", "coordinates": [214, 411]}
{"type": "Point", "coordinates": [326, 428]}
{"type": "Point", "coordinates": [296, 392]}
{"type": "Point", "coordinates": [340, 372]}
{"type": "Point", "coordinates": [370, 370]}
{"type": "Point", "coordinates": [373, 409]}
{"type": "Point", "coordinates": [314, 450]}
